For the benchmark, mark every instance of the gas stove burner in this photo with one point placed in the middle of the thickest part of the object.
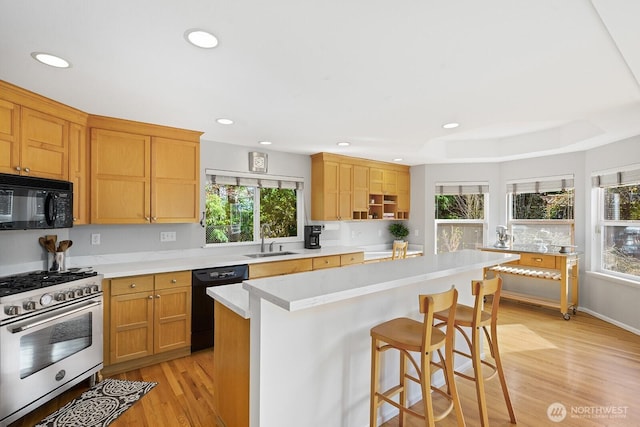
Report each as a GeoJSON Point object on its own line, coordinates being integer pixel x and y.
{"type": "Point", "coordinates": [24, 282]}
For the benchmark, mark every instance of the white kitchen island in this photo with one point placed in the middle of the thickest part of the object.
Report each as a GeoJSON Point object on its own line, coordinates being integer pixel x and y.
{"type": "Point", "coordinates": [309, 332]}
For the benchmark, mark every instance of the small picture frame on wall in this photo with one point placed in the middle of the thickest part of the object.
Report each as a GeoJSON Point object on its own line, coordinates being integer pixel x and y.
{"type": "Point", "coordinates": [257, 162]}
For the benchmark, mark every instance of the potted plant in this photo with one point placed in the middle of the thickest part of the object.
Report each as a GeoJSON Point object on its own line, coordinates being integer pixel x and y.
{"type": "Point", "coordinates": [398, 230]}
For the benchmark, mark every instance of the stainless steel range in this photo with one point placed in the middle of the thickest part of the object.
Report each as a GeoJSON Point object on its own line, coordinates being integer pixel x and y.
{"type": "Point", "coordinates": [50, 337]}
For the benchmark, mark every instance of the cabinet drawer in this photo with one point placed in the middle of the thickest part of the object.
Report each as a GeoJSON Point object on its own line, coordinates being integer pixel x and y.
{"type": "Point", "coordinates": [326, 262]}
{"type": "Point", "coordinates": [538, 260]}
{"type": "Point", "coordinates": [278, 268]}
{"type": "Point", "coordinates": [354, 258]}
{"type": "Point", "coordinates": [173, 279]}
{"type": "Point", "coordinates": [129, 285]}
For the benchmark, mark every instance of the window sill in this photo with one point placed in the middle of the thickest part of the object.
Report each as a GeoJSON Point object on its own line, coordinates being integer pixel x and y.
{"type": "Point", "coordinates": [614, 279]}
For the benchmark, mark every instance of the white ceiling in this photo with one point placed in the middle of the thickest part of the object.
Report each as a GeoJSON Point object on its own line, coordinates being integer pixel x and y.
{"type": "Point", "coordinates": [524, 78]}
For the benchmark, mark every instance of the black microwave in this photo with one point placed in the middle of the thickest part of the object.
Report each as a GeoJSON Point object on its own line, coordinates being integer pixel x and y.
{"type": "Point", "coordinates": [34, 203]}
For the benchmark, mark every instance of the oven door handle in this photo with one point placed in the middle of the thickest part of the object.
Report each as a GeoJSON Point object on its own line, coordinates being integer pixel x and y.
{"type": "Point", "coordinates": [23, 327]}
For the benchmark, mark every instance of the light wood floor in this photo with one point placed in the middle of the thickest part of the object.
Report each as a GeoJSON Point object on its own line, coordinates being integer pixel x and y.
{"type": "Point", "coordinates": [584, 363]}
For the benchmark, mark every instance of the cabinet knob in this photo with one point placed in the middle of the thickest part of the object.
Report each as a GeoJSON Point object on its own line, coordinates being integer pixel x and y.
{"type": "Point", "coordinates": [154, 218]}
{"type": "Point", "coordinates": [147, 218]}
{"type": "Point", "coordinates": [150, 297]}
{"type": "Point", "coordinates": [174, 281]}
{"type": "Point", "coordinates": [133, 285]}
{"type": "Point", "coordinates": [157, 296]}
{"type": "Point", "coordinates": [18, 168]}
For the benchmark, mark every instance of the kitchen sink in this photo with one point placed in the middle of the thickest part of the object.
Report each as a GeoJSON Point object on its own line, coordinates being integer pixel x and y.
{"type": "Point", "coordinates": [270, 254]}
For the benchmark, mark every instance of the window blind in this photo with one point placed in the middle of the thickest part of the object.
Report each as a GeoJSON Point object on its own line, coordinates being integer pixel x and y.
{"type": "Point", "coordinates": [542, 185]}
{"type": "Point", "coordinates": [616, 178]}
{"type": "Point", "coordinates": [461, 188]}
{"type": "Point", "coordinates": [254, 180]}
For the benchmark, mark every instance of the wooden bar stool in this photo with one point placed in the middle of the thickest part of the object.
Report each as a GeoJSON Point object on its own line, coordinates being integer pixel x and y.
{"type": "Point", "coordinates": [477, 318]}
{"type": "Point", "coordinates": [408, 335]}
{"type": "Point", "coordinates": [399, 250]}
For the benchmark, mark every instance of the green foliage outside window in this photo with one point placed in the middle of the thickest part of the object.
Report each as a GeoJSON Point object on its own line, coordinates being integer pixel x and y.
{"type": "Point", "coordinates": [231, 211]}
{"type": "Point", "coordinates": [550, 205]}
{"type": "Point", "coordinates": [464, 206]}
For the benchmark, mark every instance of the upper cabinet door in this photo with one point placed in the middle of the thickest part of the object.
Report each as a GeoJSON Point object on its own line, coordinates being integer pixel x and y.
{"type": "Point", "coordinates": [79, 172]}
{"type": "Point", "coordinates": [120, 177]}
{"type": "Point", "coordinates": [44, 145]}
{"type": "Point", "coordinates": [175, 180]}
{"type": "Point", "coordinates": [9, 137]}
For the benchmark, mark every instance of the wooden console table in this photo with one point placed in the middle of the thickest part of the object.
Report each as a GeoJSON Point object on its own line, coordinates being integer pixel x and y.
{"type": "Point", "coordinates": [560, 267]}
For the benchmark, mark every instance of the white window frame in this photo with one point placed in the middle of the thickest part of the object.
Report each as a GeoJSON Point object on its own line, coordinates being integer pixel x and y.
{"type": "Point", "coordinates": [601, 180]}
{"type": "Point", "coordinates": [541, 185]}
{"type": "Point", "coordinates": [461, 188]}
{"type": "Point", "coordinates": [262, 181]}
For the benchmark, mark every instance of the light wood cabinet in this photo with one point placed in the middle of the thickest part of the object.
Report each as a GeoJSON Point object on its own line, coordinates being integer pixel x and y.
{"type": "Point", "coordinates": [344, 188]}
{"type": "Point", "coordinates": [79, 172]}
{"type": "Point", "coordinates": [278, 268]}
{"type": "Point", "coordinates": [404, 195]}
{"type": "Point", "coordinates": [360, 192]}
{"type": "Point", "coordinates": [33, 143]}
{"type": "Point", "coordinates": [9, 136]}
{"type": "Point", "coordinates": [334, 181]}
{"type": "Point", "coordinates": [330, 261]}
{"type": "Point", "coordinates": [44, 145]}
{"type": "Point", "coordinates": [148, 316]}
{"type": "Point", "coordinates": [353, 258]}
{"type": "Point", "coordinates": [139, 178]}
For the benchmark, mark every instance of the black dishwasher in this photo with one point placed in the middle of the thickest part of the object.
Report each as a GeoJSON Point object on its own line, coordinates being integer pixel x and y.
{"type": "Point", "coordinates": [202, 304]}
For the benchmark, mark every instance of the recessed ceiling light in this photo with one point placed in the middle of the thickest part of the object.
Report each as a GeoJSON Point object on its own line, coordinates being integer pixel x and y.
{"type": "Point", "coordinates": [223, 121]}
{"type": "Point", "coordinates": [265, 142]}
{"type": "Point", "coordinates": [398, 159]}
{"type": "Point", "coordinates": [52, 60]}
{"type": "Point", "coordinates": [451, 125]}
{"type": "Point", "coordinates": [343, 144]}
{"type": "Point", "coordinates": [201, 38]}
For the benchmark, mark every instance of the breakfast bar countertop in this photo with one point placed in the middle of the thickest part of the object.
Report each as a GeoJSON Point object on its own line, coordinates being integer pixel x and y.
{"type": "Point", "coordinates": [310, 289]}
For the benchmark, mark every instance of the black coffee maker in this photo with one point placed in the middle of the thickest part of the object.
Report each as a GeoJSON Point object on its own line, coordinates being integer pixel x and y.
{"type": "Point", "coordinates": [312, 236]}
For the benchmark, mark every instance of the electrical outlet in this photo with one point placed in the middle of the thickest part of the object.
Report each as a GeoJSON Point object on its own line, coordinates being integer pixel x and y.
{"type": "Point", "coordinates": [167, 236]}
{"type": "Point", "coordinates": [95, 239]}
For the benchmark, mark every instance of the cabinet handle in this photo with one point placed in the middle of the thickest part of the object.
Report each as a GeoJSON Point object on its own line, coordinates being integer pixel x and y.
{"type": "Point", "coordinates": [326, 261]}
{"type": "Point", "coordinates": [157, 296]}
{"type": "Point", "coordinates": [133, 285]}
{"type": "Point", "coordinates": [150, 297]}
{"type": "Point", "coordinates": [27, 170]}
{"type": "Point", "coordinates": [537, 259]}
{"type": "Point", "coordinates": [154, 218]}
{"type": "Point", "coordinates": [18, 168]}
{"type": "Point", "coordinates": [147, 218]}
{"type": "Point", "coordinates": [174, 281]}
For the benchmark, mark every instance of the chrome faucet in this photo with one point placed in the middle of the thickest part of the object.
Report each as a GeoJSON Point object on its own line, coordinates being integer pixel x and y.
{"type": "Point", "coordinates": [271, 246]}
{"type": "Point", "coordinates": [263, 228]}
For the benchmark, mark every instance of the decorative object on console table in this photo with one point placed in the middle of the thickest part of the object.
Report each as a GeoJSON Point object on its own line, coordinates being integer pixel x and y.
{"type": "Point", "coordinates": [398, 230]}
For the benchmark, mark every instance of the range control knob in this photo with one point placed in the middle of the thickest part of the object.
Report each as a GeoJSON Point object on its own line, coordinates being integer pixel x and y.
{"type": "Point", "coordinates": [12, 310]}
{"type": "Point", "coordinates": [46, 299]}
{"type": "Point", "coordinates": [77, 293]}
{"type": "Point", "coordinates": [60, 296]}
{"type": "Point", "coordinates": [29, 305]}
{"type": "Point", "coordinates": [70, 295]}
{"type": "Point", "coordinates": [94, 288]}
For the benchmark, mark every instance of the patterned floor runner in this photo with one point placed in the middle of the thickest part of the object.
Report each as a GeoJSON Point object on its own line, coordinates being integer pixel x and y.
{"type": "Point", "coordinates": [100, 405]}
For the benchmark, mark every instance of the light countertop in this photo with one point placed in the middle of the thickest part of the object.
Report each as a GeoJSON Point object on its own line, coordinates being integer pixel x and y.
{"type": "Point", "coordinates": [195, 259]}
{"type": "Point", "coordinates": [311, 289]}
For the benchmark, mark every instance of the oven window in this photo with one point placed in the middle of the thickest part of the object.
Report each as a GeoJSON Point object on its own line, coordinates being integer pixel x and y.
{"type": "Point", "coordinates": [49, 345]}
